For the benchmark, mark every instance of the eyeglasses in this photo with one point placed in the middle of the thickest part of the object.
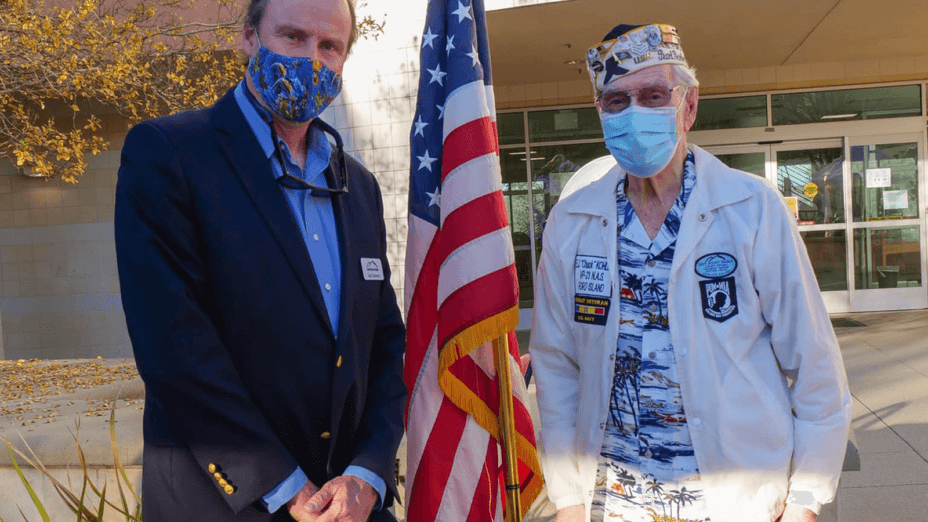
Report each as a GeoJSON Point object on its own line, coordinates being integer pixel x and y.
{"type": "Point", "coordinates": [651, 97]}
{"type": "Point", "coordinates": [292, 182]}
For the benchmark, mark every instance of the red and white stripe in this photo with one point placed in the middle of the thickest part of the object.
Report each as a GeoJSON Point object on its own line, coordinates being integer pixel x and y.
{"type": "Point", "coordinates": [456, 276]}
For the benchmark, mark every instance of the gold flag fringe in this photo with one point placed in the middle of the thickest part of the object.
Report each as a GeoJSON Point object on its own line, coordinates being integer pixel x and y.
{"type": "Point", "coordinates": [460, 395]}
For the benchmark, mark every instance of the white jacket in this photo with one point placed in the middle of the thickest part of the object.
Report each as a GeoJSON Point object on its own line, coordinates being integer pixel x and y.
{"type": "Point", "coordinates": [755, 439]}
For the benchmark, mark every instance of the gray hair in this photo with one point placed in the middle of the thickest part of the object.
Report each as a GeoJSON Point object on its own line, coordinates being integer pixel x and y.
{"type": "Point", "coordinates": [256, 12]}
{"type": "Point", "coordinates": [685, 75]}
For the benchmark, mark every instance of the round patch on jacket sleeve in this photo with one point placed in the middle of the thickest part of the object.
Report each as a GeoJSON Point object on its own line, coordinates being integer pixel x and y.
{"type": "Point", "coordinates": [716, 265]}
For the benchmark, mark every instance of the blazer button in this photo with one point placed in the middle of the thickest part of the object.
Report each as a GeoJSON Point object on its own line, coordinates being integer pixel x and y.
{"type": "Point", "coordinates": [229, 489]}
{"type": "Point", "coordinates": [325, 435]}
{"type": "Point", "coordinates": [212, 468]}
{"type": "Point", "coordinates": [223, 483]}
{"type": "Point", "coordinates": [218, 476]}
{"type": "Point", "coordinates": [338, 363]}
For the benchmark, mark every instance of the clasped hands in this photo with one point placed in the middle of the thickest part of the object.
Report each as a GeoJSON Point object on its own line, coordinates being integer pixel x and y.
{"type": "Point", "coordinates": [342, 499]}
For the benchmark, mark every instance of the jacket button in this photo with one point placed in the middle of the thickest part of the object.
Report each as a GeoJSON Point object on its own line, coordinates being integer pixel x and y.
{"type": "Point", "coordinates": [212, 468]}
{"type": "Point", "coordinates": [338, 363]}
{"type": "Point", "coordinates": [229, 489]}
{"type": "Point", "coordinates": [218, 476]}
{"type": "Point", "coordinates": [325, 435]}
{"type": "Point", "coordinates": [223, 483]}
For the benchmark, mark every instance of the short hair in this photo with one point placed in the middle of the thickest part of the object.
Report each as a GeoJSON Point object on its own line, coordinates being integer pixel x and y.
{"type": "Point", "coordinates": [256, 12]}
{"type": "Point", "coordinates": [684, 74]}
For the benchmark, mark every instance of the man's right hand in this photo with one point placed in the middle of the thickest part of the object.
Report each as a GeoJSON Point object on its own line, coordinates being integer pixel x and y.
{"type": "Point", "coordinates": [571, 514]}
{"type": "Point", "coordinates": [297, 505]}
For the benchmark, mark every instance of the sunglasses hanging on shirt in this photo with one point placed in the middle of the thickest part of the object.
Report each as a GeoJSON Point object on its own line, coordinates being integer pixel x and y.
{"type": "Point", "coordinates": [290, 181]}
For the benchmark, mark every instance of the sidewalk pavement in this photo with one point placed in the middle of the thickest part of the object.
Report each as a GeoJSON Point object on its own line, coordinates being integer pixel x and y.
{"type": "Point", "coordinates": [887, 367]}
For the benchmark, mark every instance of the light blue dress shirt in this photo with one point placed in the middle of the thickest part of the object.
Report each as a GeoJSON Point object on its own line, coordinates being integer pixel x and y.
{"type": "Point", "coordinates": [316, 220]}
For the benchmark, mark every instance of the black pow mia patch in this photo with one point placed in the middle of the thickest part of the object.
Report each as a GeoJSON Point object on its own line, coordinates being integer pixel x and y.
{"type": "Point", "coordinates": [719, 299]}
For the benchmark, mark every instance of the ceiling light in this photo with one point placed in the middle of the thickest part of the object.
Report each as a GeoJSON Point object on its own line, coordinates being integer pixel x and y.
{"type": "Point", "coordinates": [838, 116]}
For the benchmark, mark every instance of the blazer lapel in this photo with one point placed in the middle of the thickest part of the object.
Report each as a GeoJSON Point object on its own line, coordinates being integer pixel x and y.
{"type": "Point", "coordinates": [349, 283]}
{"type": "Point", "coordinates": [254, 172]}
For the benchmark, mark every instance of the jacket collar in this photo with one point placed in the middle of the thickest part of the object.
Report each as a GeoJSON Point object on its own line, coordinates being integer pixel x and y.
{"type": "Point", "coordinates": [254, 172]}
{"type": "Point", "coordinates": [602, 176]}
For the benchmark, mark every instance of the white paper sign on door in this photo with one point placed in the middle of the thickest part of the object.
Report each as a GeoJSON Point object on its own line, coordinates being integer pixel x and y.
{"type": "Point", "coordinates": [879, 178]}
{"type": "Point", "coordinates": [895, 199]}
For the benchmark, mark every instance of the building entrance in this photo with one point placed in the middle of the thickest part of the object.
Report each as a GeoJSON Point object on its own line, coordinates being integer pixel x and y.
{"type": "Point", "coordinates": [858, 201]}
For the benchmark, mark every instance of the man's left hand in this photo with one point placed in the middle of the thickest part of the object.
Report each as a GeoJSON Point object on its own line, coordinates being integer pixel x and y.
{"type": "Point", "coordinates": [343, 499]}
{"type": "Point", "coordinates": [794, 513]}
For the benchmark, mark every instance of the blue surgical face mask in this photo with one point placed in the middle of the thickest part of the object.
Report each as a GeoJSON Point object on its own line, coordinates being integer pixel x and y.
{"type": "Point", "coordinates": [642, 140]}
{"type": "Point", "coordinates": [295, 89]}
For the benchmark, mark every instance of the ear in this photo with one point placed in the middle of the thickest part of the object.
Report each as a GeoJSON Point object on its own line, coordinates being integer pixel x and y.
{"type": "Point", "coordinates": [690, 105]}
{"type": "Point", "coordinates": [249, 40]}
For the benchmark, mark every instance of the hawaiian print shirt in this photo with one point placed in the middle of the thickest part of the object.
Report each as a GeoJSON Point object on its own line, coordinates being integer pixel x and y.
{"type": "Point", "coordinates": [648, 471]}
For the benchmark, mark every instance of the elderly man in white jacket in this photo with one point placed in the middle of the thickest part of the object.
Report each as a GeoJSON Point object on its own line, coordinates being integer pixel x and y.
{"type": "Point", "coordinates": [673, 297]}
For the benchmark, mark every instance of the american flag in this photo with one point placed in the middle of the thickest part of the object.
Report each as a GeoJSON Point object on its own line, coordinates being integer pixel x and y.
{"type": "Point", "coordinates": [461, 284]}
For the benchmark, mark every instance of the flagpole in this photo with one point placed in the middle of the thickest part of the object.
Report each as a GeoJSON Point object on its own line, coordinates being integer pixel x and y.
{"type": "Point", "coordinates": [507, 428]}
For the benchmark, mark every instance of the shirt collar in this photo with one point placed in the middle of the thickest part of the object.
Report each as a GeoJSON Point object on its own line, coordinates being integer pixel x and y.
{"type": "Point", "coordinates": [317, 154]}
{"type": "Point", "coordinates": [689, 181]}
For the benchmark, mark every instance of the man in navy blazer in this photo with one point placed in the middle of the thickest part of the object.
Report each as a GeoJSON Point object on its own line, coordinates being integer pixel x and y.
{"type": "Point", "coordinates": [255, 283]}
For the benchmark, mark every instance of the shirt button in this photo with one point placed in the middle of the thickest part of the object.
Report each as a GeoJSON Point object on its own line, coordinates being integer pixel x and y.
{"type": "Point", "coordinates": [702, 217]}
{"type": "Point", "coordinates": [651, 263]}
{"type": "Point", "coordinates": [316, 237]}
{"type": "Point", "coordinates": [697, 422]}
{"type": "Point", "coordinates": [648, 454]}
{"type": "Point", "coordinates": [682, 351]}
{"type": "Point", "coordinates": [602, 425]}
{"type": "Point", "coordinates": [652, 355]}
{"type": "Point", "coordinates": [612, 357]}
{"type": "Point", "coordinates": [328, 286]}
{"type": "Point", "coordinates": [653, 308]}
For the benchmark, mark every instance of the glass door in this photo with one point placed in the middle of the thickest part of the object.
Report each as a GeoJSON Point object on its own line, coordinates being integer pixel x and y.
{"type": "Point", "coordinates": [887, 195]}
{"type": "Point", "coordinates": [860, 219]}
{"type": "Point", "coordinates": [810, 175]}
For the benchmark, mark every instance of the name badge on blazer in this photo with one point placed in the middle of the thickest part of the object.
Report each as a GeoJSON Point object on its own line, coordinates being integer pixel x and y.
{"type": "Point", "coordinates": [592, 290]}
{"type": "Point", "coordinates": [372, 269]}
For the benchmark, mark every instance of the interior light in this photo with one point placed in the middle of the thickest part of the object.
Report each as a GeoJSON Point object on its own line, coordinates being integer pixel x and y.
{"type": "Point", "coordinates": [838, 116]}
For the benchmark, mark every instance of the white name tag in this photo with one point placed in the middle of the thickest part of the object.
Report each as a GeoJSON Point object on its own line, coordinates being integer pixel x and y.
{"type": "Point", "coordinates": [591, 276]}
{"type": "Point", "coordinates": [372, 269]}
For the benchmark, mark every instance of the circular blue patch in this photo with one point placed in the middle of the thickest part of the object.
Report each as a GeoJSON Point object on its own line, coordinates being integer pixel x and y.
{"type": "Point", "coordinates": [716, 265]}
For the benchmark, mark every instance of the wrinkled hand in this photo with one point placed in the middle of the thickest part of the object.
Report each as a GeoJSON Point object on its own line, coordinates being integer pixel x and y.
{"type": "Point", "coordinates": [297, 504]}
{"type": "Point", "coordinates": [571, 514]}
{"type": "Point", "coordinates": [342, 499]}
{"type": "Point", "coordinates": [794, 513]}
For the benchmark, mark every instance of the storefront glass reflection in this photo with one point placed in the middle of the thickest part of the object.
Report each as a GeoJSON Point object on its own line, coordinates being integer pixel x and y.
{"type": "Point", "coordinates": [885, 181]}
{"type": "Point", "coordinates": [812, 181]}
{"type": "Point", "coordinates": [887, 258]}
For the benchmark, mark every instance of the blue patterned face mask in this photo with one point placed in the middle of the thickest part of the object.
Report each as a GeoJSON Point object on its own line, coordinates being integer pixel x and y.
{"type": "Point", "coordinates": [295, 89]}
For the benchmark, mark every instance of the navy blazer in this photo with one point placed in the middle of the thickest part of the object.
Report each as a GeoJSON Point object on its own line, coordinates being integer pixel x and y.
{"type": "Point", "coordinates": [227, 321]}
